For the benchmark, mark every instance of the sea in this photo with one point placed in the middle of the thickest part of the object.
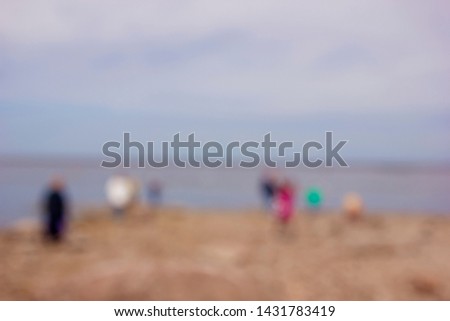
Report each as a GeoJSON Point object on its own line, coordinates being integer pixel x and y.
{"type": "Point", "coordinates": [409, 189]}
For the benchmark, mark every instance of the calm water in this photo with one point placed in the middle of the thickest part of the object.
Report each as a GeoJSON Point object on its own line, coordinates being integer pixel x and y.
{"type": "Point", "coordinates": [411, 189]}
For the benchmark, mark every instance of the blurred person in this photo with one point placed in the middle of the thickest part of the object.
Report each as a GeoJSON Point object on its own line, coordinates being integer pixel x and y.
{"type": "Point", "coordinates": [154, 194]}
{"type": "Point", "coordinates": [268, 186]}
{"type": "Point", "coordinates": [314, 198]}
{"type": "Point", "coordinates": [353, 206]}
{"type": "Point", "coordinates": [285, 203]}
{"type": "Point", "coordinates": [120, 191]}
{"type": "Point", "coordinates": [55, 209]}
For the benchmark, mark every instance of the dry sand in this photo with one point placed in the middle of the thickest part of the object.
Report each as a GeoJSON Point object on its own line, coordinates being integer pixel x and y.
{"type": "Point", "coordinates": [188, 254]}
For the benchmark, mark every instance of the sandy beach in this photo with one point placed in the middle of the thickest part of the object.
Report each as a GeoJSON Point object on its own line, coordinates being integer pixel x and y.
{"type": "Point", "coordinates": [189, 254]}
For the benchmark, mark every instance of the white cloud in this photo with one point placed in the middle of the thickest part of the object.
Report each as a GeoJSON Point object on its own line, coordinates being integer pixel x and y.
{"type": "Point", "coordinates": [266, 56]}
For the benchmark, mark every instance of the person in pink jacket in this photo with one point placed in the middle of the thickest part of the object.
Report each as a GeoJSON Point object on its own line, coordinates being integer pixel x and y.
{"type": "Point", "coordinates": [285, 202]}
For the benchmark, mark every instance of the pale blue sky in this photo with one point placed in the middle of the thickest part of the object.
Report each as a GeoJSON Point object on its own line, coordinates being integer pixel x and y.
{"type": "Point", "coordinates": [74, 74]}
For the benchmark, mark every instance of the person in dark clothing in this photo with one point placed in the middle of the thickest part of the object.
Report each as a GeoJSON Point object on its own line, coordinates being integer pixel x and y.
{"type": "Point", "coordinates": [55, 211]}
{"type": "Point", "coordinates": [268, 190]}
{"type": "Point", "coordinates": [154, 193]}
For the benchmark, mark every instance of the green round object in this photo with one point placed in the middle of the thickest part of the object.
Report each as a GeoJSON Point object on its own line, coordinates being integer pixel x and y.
{"type": "Point", "coordinates": [314, 197]}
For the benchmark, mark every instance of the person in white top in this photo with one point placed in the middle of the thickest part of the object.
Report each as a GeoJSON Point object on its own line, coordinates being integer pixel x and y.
{"type": "Point", "coordinates": [120, 192]}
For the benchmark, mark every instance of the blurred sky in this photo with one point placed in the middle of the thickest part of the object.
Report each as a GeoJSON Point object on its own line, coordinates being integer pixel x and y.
{"type": "Point", "coordinates": [74, 74]}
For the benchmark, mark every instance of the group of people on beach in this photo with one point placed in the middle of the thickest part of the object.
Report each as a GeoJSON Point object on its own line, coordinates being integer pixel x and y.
{"type": "Point", "coordinates": [279, 198]}
{"type": "Point", "coordinates": [121, 192]}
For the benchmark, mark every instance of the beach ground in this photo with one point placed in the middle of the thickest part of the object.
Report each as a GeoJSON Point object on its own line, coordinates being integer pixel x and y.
{"type": "Point", "coordinates": [190, 254]}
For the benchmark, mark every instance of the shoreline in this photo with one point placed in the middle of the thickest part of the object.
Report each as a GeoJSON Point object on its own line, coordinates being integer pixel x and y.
{"type": "Point", "coordinates": [89, 210]}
